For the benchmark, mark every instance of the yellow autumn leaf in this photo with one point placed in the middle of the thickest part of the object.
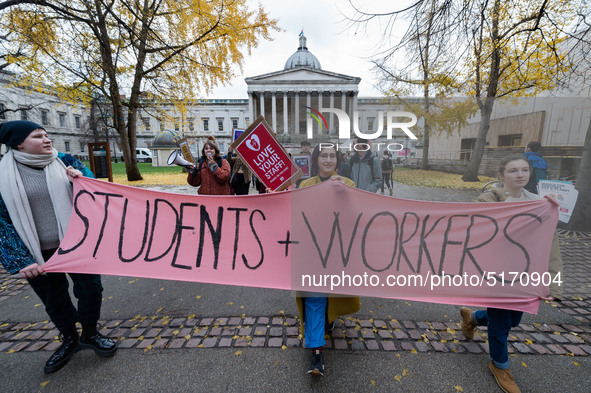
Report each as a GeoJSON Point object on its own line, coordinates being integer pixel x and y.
{"type": "Point", "coordinates": [523, 364]}
{"type": "Point", "coordinates": [238, 353]}
{"type": "Point", "coordinates": [44, 384]}
{"type": "Point", "coordinates": [229, 303]}
{"type": "Point", "coordinates": [373, 383]}
{"type": "Point", "coordinates": [459, 389]}
{"type": "Point", "coordinates": [398, 378]}
{"type": "Point", "coordinates": [284, 347]}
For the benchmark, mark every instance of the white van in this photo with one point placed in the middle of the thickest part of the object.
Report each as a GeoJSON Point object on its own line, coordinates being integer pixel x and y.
{"type": "Point", "coordinates": [143, 155]}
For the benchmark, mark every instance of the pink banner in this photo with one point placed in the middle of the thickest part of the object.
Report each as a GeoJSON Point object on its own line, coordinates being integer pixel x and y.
{"type": "Point", "coordinates": [327, 238]}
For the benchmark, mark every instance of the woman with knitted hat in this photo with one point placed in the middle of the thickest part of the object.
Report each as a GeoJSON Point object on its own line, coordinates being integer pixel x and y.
{"type": "Point", "coordinates": [35, 208]}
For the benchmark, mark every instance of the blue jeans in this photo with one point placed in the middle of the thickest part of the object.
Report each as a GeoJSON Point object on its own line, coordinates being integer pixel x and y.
{"type": "Point", "coordinates": [499, 324]}
{"type": "Point", "coordinates": [314, 319]}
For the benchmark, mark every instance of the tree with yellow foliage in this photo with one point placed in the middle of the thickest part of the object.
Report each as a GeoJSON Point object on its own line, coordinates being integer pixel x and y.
{"type": "Point", "coordinates": [514, 51]}
{"type": "Point", "coordinates": [118, 50]}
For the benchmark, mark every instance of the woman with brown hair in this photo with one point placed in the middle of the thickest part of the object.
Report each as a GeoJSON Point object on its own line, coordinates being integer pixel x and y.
{"type": "Point", "coordinates": [212, 173]}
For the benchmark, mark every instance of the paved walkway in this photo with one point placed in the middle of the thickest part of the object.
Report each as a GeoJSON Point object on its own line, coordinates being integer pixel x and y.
{"type": "Point", "coordinates": [568, 335]}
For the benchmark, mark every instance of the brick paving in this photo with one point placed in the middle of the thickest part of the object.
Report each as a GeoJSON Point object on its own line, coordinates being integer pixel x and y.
{"type": "Point", "coordinates": [282, 331]}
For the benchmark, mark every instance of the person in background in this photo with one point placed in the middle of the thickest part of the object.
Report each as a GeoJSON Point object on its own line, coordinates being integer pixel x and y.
{"type": "Point", "coordinates": [538, 164]}
{"type": "Point", "coordinates": [305, 146]}
{"type": "Point", "coordinates": [318, 311]}
{"type": "Point", "coordinates": [35, 207]}
{"type": "Point", "coordinates": [365, 168]}
{"type": "Point", "coordinates": [212, 172]}
{"type": "Point", "coordinates": [241, 175]}
{"type": "Point", "coordinates": [514, 172]}
{"type": "Point", "coordinates": [387, 169]}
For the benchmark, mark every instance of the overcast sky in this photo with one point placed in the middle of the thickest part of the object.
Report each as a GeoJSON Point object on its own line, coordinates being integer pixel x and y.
{"type": "Point", "coordinates": [338, 48]}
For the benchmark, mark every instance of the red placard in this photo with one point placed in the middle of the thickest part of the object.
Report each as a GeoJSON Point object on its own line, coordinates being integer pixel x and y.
{"type": "Point", "coordinates": [265, 156]}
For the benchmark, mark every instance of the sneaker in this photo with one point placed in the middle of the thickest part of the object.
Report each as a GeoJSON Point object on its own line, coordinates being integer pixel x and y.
{"type": "Point", "coordinates": [468, 324]}
{"type": "Point", "coordinates": [390, 191]}
{"type": "Point", "coordinates": [504, 379]}
{"type": "Point", "coordinates": [317, 364]}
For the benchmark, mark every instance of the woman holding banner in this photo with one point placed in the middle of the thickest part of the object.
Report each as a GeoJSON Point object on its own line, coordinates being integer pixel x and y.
{"type": "Point", "coordinates": [212, 173]}
{"type": "Point", "coordinates": [514, 174]}
{"type": "Point", "coordinates": [35, 208]}
{"type": "Point", "coordinates": [317, 310]}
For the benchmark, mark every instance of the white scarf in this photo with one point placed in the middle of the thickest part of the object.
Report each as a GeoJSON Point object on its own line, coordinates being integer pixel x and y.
{"type": "Point", "coordinates": [17, 203]}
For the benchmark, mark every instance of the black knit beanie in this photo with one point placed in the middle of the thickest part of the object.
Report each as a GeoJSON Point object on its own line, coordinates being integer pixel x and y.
{"type": "Point", "coordinates": [13, 133]}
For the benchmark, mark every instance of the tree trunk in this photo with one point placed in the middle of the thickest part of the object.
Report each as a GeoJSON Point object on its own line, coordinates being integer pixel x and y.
{"type": "Point", "coordinates": [471, 173]}
{"type": "Point", "coordinates": [581, 218]}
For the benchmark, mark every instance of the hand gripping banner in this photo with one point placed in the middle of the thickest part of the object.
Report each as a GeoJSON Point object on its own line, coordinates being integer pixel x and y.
{"type": "Point", "coordinates": [327, 238]}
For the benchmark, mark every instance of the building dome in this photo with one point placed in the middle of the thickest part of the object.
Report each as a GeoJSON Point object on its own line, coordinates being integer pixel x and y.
{"type": "Point", "coordinates": [166, 139]}
{"type": "Point", "coordinates": [302, 57]}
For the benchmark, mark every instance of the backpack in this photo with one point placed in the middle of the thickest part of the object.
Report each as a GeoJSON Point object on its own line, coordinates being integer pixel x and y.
{"type": "Point", "coordinates": [387, 165]}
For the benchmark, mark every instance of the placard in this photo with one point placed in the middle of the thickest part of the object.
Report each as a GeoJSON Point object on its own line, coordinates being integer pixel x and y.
{"type": "Point", "coordinates": [564, 192]}
{"type": "Point", "coordinates": [184, 145]}
{"type": "Point", "coordinates": [266, 157]}
{"type": "Point", "coordinates": [303, 162]}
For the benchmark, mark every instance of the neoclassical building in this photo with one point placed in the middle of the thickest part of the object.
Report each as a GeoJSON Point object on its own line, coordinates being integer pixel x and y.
{"type": "Point", "coordinates": [281, 97]}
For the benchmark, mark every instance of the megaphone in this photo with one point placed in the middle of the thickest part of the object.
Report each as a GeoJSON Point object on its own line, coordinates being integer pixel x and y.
{"type": "Point", "coordinates": [175, 158]}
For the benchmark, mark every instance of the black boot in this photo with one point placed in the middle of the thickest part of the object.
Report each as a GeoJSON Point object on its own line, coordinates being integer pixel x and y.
{"type": "Point", "coordinates": [92, 339]}
{"type": "Point", "coordinates": [63, 354]}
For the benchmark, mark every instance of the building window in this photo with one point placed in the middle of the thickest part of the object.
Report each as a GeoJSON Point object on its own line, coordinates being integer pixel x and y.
{"type": "Point", "coordinates": [161, 126]}
{"type": "Point", "coordinates": [2, 112]}
{"type": "Point", "coordinates": [246, 119]}
{"type": "Point", "coordinates": [509, 140]}
{"type": "Point", "coordinates": [62, 119]}
{"type": "Point", "coordinates": [220, 124]}
{"type": "Point", "coordinates": [67, 146]}
{"type": "Point", "coordinates": [44, 117]}
{"type": "Point", "coordinates": [82, 147]}
{"type": "Point", "coordinates": [370, 121]}
{"type": "Point", "coordinates": [177, 126]}
{"type": "Point", "coordinates": [191, 124]}
{"type": "Point", "coordinates": [146, 121]}
{"type": "Point", "coordinates": [234, 122]}
{"type": "Point", "coordinates": [77, 122]}
{"type": "Point", "coordinates": [205, 124]}
{"type": "Point", "coordinates": [466, 148]}
{"type": "Point", "coordinates": [24, 114]}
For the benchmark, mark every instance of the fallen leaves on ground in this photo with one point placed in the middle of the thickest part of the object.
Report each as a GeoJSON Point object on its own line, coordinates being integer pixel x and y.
{"type": "Point", "coordinates": [437, 179]}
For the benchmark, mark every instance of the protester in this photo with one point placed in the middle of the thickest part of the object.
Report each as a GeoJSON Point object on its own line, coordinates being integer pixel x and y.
{"type": "Point", "coordinates": [538, 165]}
{"type": "Point", "coordinates": [364, 167]}
{"type": "Point", "coordinates": [241, 175]}
{"type": "Point", "coordinates": [35, 207]}
{"type": "Point", "coordinates": [305, 145]}
{"type": "Point", "coordinates": [387, 169]}
{"type": "Point", "coordinates": [212, 172]}
{"type": "Point", "coordinates": [316, 309]}
{"type": "Point", "coordinates": [514, 173]}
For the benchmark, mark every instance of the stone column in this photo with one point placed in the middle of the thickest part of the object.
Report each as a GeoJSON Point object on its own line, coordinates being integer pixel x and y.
{"type": "Point", "coordinates": [285, 119]}
{"type": "Point", "coordinates": [250, 107]}
{"type": "Point", "coordinates": [308, 104]}
{"type": "Point", "coordinates": [320, 94]}
{"type": "Point", "coordinates": [296, 129]}
{"type": "Point", "coordinates": [331, 131]}
{"type": "Point", "coordinates": [274, 111]}
{"type": "Point", "coordinates": [262, 99]}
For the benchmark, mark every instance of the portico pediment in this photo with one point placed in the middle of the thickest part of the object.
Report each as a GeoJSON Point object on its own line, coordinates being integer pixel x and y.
{"type": "Point", "coordinates": [302, 75]}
